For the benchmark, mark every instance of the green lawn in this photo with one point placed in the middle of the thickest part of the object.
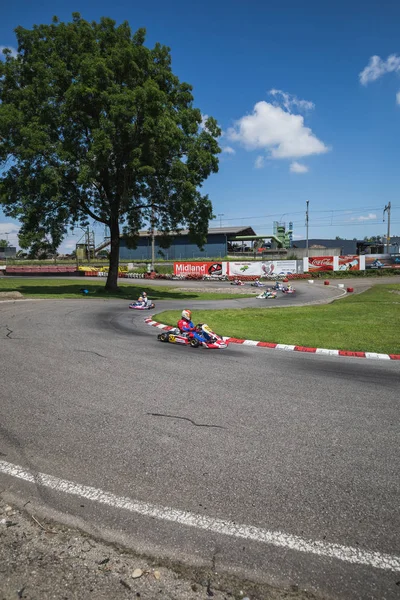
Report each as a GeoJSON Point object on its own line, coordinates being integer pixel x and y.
{"type": "Point", "coordinates": [33, 287]}
{"type": "Point", "coordinates": [364, 322]}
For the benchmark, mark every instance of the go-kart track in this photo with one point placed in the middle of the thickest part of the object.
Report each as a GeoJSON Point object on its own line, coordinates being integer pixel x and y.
{"type": "Point", "coordinates": [281, 467]}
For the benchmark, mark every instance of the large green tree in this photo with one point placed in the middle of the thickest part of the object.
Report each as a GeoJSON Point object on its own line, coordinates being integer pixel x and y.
{"type": "Point", "coordinates": [95, 125]}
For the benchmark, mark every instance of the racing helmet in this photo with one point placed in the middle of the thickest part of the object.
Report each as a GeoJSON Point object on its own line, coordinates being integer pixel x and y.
{"type": "Point", "coordinates": [144, 294]}
{"type": "Point", "coordinates": [187, 314]}
{"type": "Point", "coordinates": [140, 299]}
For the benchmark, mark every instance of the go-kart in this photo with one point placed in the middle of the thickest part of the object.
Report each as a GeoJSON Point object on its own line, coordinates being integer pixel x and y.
{"type": "Point", "coordinates": [257, 284]}
{"type": "Point", "coordinates": [141, 306]}
{"type": "Point", "coordinates": [285, 289]}
{"type": "Point", "coordinates": [237, 282]}
{"type": "Point", "coordinates": [268, 294]}
{"type": "Point", "coordinates": [288, 290]}
{"type": "Point", "coordinates": [175, 336]}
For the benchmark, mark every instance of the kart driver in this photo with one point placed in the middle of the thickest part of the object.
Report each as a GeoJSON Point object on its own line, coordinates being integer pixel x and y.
{"type": "Point", "coordinates": [146, 300]}
{"type": "Point", "coordinates": [186, 326]}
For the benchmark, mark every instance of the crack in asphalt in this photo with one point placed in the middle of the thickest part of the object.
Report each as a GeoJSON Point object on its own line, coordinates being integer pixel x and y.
{"type": "Point", "coordinates": [10, 331]}
{"type": "Point", "coordinates": [186, 419]}
{"type": "Point", "coordinates": [91, 352]}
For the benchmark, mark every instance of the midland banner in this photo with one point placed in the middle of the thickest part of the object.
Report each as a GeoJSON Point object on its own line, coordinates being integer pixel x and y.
{"type": "Point", "coordinates": [199, 268]}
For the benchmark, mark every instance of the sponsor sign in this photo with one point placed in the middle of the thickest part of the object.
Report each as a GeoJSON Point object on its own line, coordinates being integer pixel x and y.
{"type": "Point", "coordinates": [244, 268]}
{"type": "Point", "coordinates": [281, 267]}
{"type": "Point", "coordinates": [261, 268]}
{"type": "Point", "coordinates": [382, 261]}
{"type": "Point", "coordinates": [320, 263]}
{"type": "Point", "coordinates": [349, 263]}
{"type": "Point", "coordinates": [199, 268]}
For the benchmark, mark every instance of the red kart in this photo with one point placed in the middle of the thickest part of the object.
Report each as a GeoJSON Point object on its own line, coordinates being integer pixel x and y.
{"type": "Point", "coordinates": [175, 336]}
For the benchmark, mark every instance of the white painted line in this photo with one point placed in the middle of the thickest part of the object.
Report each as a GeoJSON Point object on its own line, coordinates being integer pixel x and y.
{"type": "Point", "coordinates": [377, 355]}
{"type": "Point", "coordinates": [347, 554]}
{"type": "Point", "coordinates": [285, 347]}
{"type": "Point", "coordinates": [160, 326]}
{"type": "Point", "coordinates": [250, 343]}
{"type": "Point", "coordinates": [327, 351]}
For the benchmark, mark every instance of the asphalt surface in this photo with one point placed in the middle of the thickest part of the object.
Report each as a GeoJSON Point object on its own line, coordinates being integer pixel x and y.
{"type": "Point", "coordinates": [305, 445]}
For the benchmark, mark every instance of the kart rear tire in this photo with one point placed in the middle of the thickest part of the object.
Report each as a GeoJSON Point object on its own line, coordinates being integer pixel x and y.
{"type": "Point", "coordinates": [194, 343]}
{"type": "Point", "coordinates": [163, 337]}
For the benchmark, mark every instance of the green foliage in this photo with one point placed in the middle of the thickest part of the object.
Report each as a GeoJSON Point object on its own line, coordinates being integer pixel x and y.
{"type": "Point", "coordinates": [93, 124]}
{"type": "Point", "coordinates": [4, 244]}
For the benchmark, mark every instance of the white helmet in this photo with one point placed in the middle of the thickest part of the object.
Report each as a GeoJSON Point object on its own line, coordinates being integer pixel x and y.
{"type": "Point", "coordinates": [144, 294]}
{"type": "Point", "coordinates": [187, 314]}
{"type": "Point", "coordinates": [140, 299]}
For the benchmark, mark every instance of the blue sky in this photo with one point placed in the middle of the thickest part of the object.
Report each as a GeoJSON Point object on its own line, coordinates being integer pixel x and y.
{"type": "Point", "coordinates": [328, 132]}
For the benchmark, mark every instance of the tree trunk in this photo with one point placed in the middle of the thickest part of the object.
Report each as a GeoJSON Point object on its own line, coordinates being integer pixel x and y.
{"type": "Point", "coordinates": [112, 278]}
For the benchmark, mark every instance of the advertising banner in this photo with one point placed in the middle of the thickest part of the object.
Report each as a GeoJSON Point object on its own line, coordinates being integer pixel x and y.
{"type": "Point", "coordinates": [244, 268]}
{"type": "Point", "coordinates": [320, 263]}
{"type": "Point", "coordinates": [382, 261]}
{"type": "Point", "coordinates": [349, 263]}
{"type": "Point", "coordinates": [262, 268]}
{"type": "Point", "coordinates": [199, 268]}
{"type": "Point", "coordinates": [280, 267]}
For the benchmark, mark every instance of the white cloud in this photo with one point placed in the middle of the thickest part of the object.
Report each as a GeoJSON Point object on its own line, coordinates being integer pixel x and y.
{"type": "Point", "coordinates": [203, 121]}
{"type": "Point", "coordinates": [369, 217]}
{"type": "Point", "coordinates": [12, 229]}
{"type": "Point", "coordinates": [13, 50]}
{"type": "Point", "coordinates": [281, 133]}
{"type": "Point", "coordinates": [289, 101]}
{"type": "Point", "coordinates": [377, 68]}
{"type": "Point", "coordinates": [398, 98]}
{"type": "Point", "coordinates": [296, 167]}
{"type": "Point", "coordinates": [259, 163]}
{"type": "Point", "coordinates": [228, 150]}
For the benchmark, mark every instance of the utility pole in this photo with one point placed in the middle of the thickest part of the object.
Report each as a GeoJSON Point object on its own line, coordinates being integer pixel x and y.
{"type": "Point", "coordinates": [387, 209]}
{"type": "Point", "coordinates": [152, 240]}
{"type": "Point", "coordinates": [307, 203]}
{"type": "Point", "coordinates": [220, 218]}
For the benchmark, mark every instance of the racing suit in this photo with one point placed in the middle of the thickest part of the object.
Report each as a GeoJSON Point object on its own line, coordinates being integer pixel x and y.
{"type": "Point", "coordinates": [187, 326]}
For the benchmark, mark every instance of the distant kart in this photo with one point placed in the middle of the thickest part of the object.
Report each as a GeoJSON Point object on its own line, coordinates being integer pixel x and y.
{"type": "Point", "coordinates": [267, 295]}
{"type": "Point", "coordinates": [285, 289]}
{"type": "Point", "coordinates": [257, 284]}
{"type": "Point", "coordinates": [140, 306]}
{"type": "Point", "coordinates": [237, 282]}
{"type": "Point", "coordinates": [175, 336]}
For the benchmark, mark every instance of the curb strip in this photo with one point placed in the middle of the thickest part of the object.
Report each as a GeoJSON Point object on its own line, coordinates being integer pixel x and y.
{"type": "Point", "coordinates": [289, 347]}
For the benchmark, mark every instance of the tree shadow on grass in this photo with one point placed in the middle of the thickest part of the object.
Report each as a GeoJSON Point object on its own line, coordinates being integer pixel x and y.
{"type": "Point", "coordinates": [74, 290]}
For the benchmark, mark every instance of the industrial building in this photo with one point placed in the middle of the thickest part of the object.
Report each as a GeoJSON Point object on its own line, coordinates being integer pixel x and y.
{"type": "Point", "coordinates": [219, 240]}
{"type": "Point", "coordinates": [351, 246]}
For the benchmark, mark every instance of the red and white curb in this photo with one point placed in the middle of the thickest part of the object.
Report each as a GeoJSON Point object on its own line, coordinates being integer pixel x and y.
{"type": "Point", "coordinates": [325, 351]}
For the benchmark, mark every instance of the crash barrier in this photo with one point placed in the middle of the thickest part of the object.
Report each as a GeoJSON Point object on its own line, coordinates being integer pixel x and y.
{"type": "Point", "coordinates": [39, 269]}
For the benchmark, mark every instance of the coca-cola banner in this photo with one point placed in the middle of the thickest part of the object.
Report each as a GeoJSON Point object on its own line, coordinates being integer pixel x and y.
{"type": "Point", "coordinates": [319, 263]}
{"type": "Point", "coordinates": [334, 263]}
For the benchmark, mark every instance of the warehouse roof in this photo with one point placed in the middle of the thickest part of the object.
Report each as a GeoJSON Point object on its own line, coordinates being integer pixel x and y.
{"type": "Point", "coordinates": [239, 230]}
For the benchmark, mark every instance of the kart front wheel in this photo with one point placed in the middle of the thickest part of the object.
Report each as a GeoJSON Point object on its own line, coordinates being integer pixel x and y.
{"type": "Point", "coordinates": [194, 343]}
{"type": "Point", "coordinates": [163, 337]}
